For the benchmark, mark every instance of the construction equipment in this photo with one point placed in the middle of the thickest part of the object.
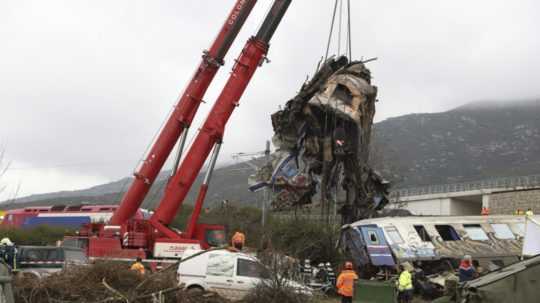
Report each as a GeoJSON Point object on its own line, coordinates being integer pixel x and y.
{"type": "Point", "coordinates": [124, 236]}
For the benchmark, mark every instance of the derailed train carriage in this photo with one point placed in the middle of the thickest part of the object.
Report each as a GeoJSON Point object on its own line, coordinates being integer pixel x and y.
{"type": "Point", "coordinates": [434, 243]}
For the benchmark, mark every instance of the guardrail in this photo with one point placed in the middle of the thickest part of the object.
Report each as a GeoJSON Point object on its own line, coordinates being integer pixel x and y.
{"type": "Point", "coordinates": [504, 182]}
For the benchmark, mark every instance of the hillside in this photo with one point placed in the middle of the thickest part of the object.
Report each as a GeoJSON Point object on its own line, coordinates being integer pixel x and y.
{"type": "Point", "coordinates": [476, 141]}
{"type": "Point", "coordinates": [473, 142]}
{"type": "Point", "coordinates": [228, 182]}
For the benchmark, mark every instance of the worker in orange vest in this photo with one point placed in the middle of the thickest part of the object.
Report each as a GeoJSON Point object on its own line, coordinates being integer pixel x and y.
{"type": "Point", "coordinates": [138, 267]}
{"type": "Point", "coordinates": [345, 283]}
{"type": "Point", "coordinates": [238, 241]}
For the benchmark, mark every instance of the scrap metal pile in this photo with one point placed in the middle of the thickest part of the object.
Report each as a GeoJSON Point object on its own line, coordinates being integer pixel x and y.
{"type": "Point", "coordinates": [322, 139]}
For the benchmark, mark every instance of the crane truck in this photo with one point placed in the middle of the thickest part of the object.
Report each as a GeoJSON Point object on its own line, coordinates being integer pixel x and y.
{"type": "Point", "coordinates": [127, 237]}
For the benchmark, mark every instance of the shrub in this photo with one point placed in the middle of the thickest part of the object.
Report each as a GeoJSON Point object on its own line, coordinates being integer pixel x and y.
{"type": "Point", "coordinates": [42, 235]}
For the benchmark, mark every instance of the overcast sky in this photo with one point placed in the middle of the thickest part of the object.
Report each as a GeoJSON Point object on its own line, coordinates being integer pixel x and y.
{"type": "Point", "coordinates": [85, 85]}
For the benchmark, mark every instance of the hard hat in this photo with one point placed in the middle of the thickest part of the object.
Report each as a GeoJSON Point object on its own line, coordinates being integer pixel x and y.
{"type": "Point", "coordinates": [328, 264]}
{"type": "Point", "coordinates": [407, 266]}
{"type": "Point", "coordinates": [348, 265]}
{"type": "Point", "coordinates": [6, 241]}
{"type": "Point", "coordinates": [321, 265]}
{"type": "Point", "coordinates": [307, 261]}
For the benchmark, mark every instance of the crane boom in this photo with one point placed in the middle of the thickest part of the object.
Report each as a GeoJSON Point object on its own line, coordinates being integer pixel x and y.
{"type": "Point", "coordinates": [211, 133]}
{"type": "Point", "coordinates": [182, 116]}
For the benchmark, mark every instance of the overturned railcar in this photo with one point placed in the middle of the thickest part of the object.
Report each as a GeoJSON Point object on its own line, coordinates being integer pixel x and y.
{"type": "Point", "coordinates": [434, 241]}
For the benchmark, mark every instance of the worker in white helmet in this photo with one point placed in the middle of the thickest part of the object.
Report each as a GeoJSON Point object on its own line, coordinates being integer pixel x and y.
{"type": "Point", "coordinates": [6, 241]}
{"type": "Point", "coordinates": [8, 252]}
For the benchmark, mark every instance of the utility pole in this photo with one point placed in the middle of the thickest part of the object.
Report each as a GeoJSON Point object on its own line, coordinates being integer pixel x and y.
{"type": "Point", "coordinates": [266, 189]}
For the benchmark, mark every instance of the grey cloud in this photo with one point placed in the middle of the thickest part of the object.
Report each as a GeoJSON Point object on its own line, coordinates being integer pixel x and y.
{"type": "Point", "coordinates": [91, 81]}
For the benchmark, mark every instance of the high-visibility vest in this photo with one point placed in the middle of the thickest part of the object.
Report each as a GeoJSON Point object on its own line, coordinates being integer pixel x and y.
{"type": "Point", "coordinates": [529, 213]}
{"type": "Point", "coordinates": [345, 283]}
{"type": "Point", "coordinates": [405, 281]}
{"type": "Point", "coordinates": [137, 266]}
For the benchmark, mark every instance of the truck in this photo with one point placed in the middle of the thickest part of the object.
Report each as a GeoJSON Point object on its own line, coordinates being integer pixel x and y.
{"type": "Point", "coordinates": [40, 261]}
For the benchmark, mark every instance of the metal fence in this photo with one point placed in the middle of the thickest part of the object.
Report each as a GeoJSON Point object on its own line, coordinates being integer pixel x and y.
{"type": "Point", "coordinates": [504, 182]}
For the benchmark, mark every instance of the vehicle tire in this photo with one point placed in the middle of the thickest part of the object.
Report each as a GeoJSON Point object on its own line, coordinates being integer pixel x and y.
{"type": "Point", "coordinates": [194, 291]}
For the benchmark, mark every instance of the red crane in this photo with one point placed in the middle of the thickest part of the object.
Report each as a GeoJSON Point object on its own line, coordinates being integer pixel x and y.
{"type": "Point", "coordinates": [128, 237]}
{"type": "Point", "coordinates": [178, 123]}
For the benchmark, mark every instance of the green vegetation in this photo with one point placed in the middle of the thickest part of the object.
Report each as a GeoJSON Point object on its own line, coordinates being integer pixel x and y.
{"type": "Point", "coordinates": [42, 235]}
{"type": "Point", "coordinates": [300, 238]}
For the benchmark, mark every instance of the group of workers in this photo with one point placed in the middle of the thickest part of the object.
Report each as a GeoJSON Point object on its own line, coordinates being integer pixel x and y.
{"type": "Point", "coordinates": [517, 212]}
{"type": "Point", "coordinates": [468, 270]}
{"type": "Point", "coordinates": [322, 273]}
{"type": "Point", "coordinates": [347, 278]}
{"type": "Point", "coordinates": [520, 212]}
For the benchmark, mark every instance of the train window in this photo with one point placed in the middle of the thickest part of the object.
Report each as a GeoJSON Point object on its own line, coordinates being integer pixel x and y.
{"type": "Point", "coordinates": [58, 208]}
{"type": "Point", "coordinates": [502, 231]}
{"type": "Point", "coordinates": [520, 229]}
{"type": "Point", "coordinates": [475, 232]}
{"type": "Point", "coordinates": [422, 233]}
{"type": "Point", "coordinates": [393, 235]}
{"type": "Point", "coordinates": [373, 237]}
{"type": "Point", "coordinates": [221, 265]}
{"type": "Point", "coordinates": [447, 232]}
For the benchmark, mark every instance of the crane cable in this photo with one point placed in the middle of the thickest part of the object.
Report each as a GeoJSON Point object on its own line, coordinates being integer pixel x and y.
{"type": "Point", "coordinates": [325, 205]}
{"type": "Point", "coordinates": [348, 46]}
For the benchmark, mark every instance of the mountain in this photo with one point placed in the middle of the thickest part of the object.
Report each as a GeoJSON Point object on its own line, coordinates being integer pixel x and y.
{"type": "Point", "coordinates": [472, 142]}
{"type": "Point", "coordinates": [228, 182]}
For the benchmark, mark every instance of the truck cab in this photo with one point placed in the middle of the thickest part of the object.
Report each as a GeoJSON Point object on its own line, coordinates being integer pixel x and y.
{"type": "Point", "coordinates": [135, 242]}
{"type": "Point", "coordinates": [40, 261]}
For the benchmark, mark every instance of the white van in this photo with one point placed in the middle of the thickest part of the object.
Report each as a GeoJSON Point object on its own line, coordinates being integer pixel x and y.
{"type": "Point", "coordinates": [230, 274]}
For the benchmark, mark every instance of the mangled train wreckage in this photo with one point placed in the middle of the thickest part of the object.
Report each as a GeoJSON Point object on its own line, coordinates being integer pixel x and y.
{"type": "Point", "coordinates": [435, 244]}
{"type": "Point", "coordinates": [322, 139]}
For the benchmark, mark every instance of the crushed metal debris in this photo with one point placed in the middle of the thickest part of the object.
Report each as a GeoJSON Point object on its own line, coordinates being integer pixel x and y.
{"type": "Point", "coordinates": [322, 140]}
